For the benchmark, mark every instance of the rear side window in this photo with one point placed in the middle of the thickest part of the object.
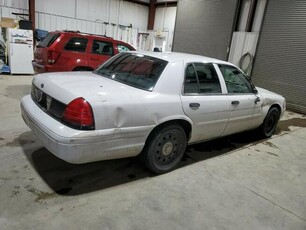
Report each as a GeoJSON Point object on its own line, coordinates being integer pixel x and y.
{"type": "Point", "coordinates": [48, 40]}
{"type": "Point", "coordinates": [201, 78]}
{"type": "Point", "coordinates": [123, 48]}
{"type": "Point", "coordinates": [236, 82]}
{"type": "Point", "coordinates": [77, 44]}
{"type": "Point", "coordinates": [102, 47]}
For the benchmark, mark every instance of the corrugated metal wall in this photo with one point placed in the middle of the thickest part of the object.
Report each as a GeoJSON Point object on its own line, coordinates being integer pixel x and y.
{"type": "Point", "coordinates": [204, 27]}
{"type": "Point", "coordinates": [7, 7]}
{"type": "Point", "coordinates": [87, 16]}
{"type": "Point", "coordinates": [280, 61]}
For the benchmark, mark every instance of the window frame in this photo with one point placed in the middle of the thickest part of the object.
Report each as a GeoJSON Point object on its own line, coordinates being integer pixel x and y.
{"type": "Point", "coordinates": [124, 55]}
{"type": "Point", "coordinates": [252, 87]}
{"type": "Point", "coordinates": [106, 43]}
{"type": "Point", "coordinates": [198, 82]}
{"type": "Point", "coordinates": [75, 37]}
{"type": "Point", "coordinates": [119, 44]}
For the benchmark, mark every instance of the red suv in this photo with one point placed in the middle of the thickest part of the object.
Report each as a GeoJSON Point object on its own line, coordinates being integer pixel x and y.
{"type": "Point", "coordinates": [74, 51]}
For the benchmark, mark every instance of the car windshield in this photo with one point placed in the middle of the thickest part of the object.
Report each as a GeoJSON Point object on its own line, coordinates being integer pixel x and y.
{"type": "Point", "coordinates": [136, 70]}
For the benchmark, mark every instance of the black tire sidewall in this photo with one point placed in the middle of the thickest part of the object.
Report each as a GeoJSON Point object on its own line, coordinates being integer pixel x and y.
{"type": "Point", "coordinates": [149, 151]}
{"type": "Point", "coordinates": [263, 128]}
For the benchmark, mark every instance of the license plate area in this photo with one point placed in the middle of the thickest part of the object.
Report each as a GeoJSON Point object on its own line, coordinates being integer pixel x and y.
{"type": "Point", "coordinates": [48, 104]}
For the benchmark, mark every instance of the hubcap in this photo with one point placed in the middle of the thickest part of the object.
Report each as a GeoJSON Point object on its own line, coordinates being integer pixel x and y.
{"type": "Point", "coordinates": [167, 148]}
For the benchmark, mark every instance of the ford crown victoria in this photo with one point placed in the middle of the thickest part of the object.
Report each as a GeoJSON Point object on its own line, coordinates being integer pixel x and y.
{"type": "Point", "coordinates": [147, 104]}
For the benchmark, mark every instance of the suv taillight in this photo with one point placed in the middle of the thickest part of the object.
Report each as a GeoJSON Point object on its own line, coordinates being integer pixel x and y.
{"type": "Point", "coordinates": [78, 114]}
{"type": "Point", "coordinates": [53, 56]}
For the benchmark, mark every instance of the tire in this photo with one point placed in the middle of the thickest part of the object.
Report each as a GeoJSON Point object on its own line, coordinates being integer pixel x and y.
{"type": "Point", "coordinates": [164, 148]}
{"type": "Point", "coordinates": [269, 125]}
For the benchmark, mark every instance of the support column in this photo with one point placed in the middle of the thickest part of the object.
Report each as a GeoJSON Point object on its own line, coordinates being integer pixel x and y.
{"type": "Point", "coordinates": [32, 13]}
{"type": "Point", "coordinates": [152, 10]}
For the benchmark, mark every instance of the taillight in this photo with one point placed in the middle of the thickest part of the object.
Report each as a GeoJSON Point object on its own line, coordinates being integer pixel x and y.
{"type": "Point", "coordinates": [53, 56]}
{"type": "Point", "coordinates": [78, 114]}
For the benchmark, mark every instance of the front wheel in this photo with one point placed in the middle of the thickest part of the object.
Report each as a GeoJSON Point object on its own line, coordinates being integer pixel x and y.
{"type": "Point", "coordinates": [269, 125]}
{"type": "Point", "coordinates": [165, 148]}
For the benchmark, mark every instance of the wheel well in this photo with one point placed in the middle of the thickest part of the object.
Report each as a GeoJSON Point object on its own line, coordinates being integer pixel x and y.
{"type": "Point", "coordinates": [278, 108]}
{"type": "Point", "coordinates": [83, 68]}
{"type": "Point", "coordinates": [184, 124]}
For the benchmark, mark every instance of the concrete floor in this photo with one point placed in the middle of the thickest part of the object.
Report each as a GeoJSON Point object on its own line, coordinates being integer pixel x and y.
{"type": "Point", "coordinates": [237, 182]}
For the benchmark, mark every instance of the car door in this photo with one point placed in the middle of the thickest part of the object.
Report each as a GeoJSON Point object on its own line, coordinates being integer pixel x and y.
{"type": "Point", "coordinates": [204, 101]}
{"type": "Point", "coordinates": [245, 104]}
{"type": "Point", "coordinates": [73, 54]}
{"type": "Point", "coordinates": [101, 51]}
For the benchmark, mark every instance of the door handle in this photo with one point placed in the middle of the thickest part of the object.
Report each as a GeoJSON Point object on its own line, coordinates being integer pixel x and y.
{"type": "Point", "coordinates": [257, 100]}
{"type": "Point", "coordinates": [194, 106]}
{"type": "Point", "coordinates": [235, 102]}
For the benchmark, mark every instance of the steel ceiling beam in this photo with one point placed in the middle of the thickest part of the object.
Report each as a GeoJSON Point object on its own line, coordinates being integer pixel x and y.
{"type": "Point", "coordinates": [152, 11]}
{"type": "Point", "coordinates": [139, 2]}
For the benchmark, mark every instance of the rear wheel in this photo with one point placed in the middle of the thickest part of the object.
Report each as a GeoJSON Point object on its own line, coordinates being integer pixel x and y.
{"type": "Point", "coordinates": [269, 125]}
{"type": "Point", "coordinates": [165, 148]}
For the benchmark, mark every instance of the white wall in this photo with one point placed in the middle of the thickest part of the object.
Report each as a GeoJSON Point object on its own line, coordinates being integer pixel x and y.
{"type": "Point", "coordinates": [88, 16]}
{"type": "Point", "coordinates": [52, 13]}
{"type": "Point", "coordinates": [165, 18]}
{"type": "Point", "coordinates": [165, 22]}
{"type": "Point", "coordinates": [246, 42]}
{"type": "Point", "coordinates": [259, 13]}
{"type": "Point", "coordinates": [244, 13]}
{"type": "Point", "coordinates": [23, 4]}
{"type": "Point", "coordinates": [258, 16]}
{"type": "Point", "coordinates": [58, 7]}
{"type": "Point", "coordinates": [7, 7]}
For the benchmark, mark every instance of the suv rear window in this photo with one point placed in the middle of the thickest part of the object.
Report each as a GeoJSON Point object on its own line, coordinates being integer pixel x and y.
{"type": "Point", "coordinates": [48, 40]}
{"type": "Point", "coordinates": [77, 44]}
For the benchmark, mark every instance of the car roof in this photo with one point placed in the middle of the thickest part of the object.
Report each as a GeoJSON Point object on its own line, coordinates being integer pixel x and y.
{"type": "Point", "coordinates": [98, 36]}
{"type": "Point", "coordinates": [176, 56]}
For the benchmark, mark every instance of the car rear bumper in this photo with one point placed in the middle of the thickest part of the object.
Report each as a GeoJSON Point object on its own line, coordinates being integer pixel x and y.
{"type": "Point", "coordinates": [39, 68]}
{"type": "Point", "coordinates": [76, 146]}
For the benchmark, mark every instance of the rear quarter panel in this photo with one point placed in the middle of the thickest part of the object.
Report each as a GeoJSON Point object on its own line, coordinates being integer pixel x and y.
{"type": "Point", "coordinates": [140, 107]}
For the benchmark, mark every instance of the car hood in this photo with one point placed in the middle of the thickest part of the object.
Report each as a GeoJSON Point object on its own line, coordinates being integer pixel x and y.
{"type": "Point", "coordinates": [66, 86]}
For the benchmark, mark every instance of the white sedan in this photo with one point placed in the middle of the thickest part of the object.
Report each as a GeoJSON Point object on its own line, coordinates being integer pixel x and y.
{"type": "Point", "coordinates": [152, 104]}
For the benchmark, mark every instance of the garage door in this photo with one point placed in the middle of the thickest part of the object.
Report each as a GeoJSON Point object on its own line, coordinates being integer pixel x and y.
{"type": "Point", "coordinates": [280, 62]}
{"type": "Point", "coordinates": [204, 27]}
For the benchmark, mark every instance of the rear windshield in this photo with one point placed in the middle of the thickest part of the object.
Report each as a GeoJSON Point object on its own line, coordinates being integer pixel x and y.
{"type": "Point", "coordinates": [136, 70]}
{"type": "Point", "coordinates": [48, 40]}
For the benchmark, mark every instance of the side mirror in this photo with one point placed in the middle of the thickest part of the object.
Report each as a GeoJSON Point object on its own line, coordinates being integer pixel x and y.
{"type": "Point", "coordinates": [255, 91]}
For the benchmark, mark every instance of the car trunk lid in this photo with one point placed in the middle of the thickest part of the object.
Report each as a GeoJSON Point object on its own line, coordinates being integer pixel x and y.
{"type": "Point", "coordinates": [66, 86]}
